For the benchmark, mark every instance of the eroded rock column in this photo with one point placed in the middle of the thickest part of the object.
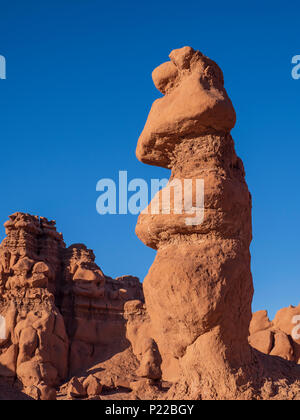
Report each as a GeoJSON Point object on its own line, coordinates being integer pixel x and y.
{"type": "Point", "coordinates": [199, 289]}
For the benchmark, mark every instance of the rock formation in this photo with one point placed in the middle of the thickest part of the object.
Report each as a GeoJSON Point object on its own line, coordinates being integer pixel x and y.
{"type": "Point", "coordinates": [140, 335]}
{"type": "Point", "coordinates": [198, 292]}
{"type": "Point", "coordinates": [93, 309]}
{"type": "Point", "coordinates": [36, 346]}
{"type": "Point", "coordinates": [61, 312]}
{"type": "Point", "coordinates": [277, 338]}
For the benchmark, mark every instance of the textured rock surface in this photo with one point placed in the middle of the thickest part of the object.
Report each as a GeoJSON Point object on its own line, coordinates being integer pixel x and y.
{"type": "Point", "coordinates": [139, 333]}
{"type": "Point", "coordinates": [198, 292]}
{"type": "Point", "coordinates": [62, 314]}
{"type": "Point", "coordinates": [195, 103]}
{"type": "Point", "coordinates": [280, 337]}
{"type": "Point", "coordinates": [198, 269]}
{"type": "Point", "coordinates": [93, 306]}
{"type": "Point", "coordinates": [36, 347]}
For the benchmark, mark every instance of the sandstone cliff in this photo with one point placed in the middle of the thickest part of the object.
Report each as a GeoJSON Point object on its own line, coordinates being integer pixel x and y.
{"type": "Point", "coordinates": [62, 313]}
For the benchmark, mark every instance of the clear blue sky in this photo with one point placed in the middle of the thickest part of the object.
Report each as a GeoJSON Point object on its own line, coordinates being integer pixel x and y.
{"type": "Point", "coordinates": [78, 93]}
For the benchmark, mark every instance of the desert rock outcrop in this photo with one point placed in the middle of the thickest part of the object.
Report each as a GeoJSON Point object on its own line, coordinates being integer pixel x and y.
{"type": "Point", "coordinates": [279, 337]}
{"type": "Point", "coordinates": [36, 346]}
{"type": "Point", "coordinates": [199, 290]}
{"type": "Point", "coordinates": [139, 333]}
{"type": "Point", "coordinates": [61, 312]}
{"type": "Point", "coordinates": [93, 307]}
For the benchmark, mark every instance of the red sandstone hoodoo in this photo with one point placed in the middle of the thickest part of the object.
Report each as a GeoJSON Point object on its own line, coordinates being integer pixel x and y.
{"type": "Point", "coordinates": [199, 290]}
